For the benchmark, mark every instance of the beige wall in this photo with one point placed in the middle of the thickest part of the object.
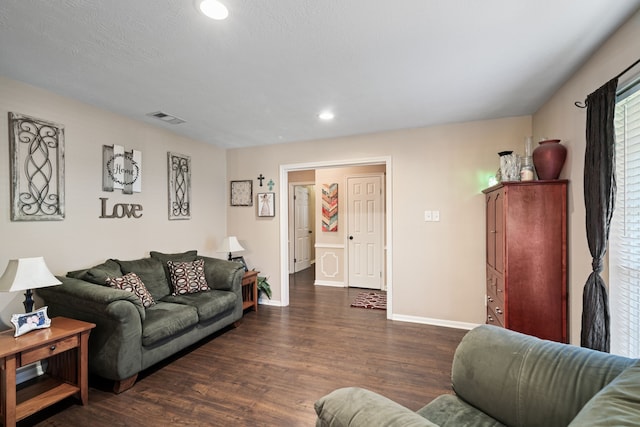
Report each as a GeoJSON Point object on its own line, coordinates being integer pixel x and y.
{"type": "Point", "coordinates": [438, 267]}
{"type": "Point", "coordinates": [559, 118]}
{"type": "Point", "coordinates": [82, 239]}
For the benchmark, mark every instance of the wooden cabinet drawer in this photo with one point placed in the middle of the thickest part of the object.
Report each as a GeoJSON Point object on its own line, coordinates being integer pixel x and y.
{"type": "Point", "coordinates": [497, 307]}
{"type": "Point", "coordinates": [492, 319]}
{"type": "Point", "coordinates": [48, 350]}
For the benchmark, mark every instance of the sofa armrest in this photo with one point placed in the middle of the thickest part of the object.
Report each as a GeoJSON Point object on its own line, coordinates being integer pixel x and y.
{"type": "Point", "coordinates": [222, 275]}
{"type": "Point", "coordinates": [115, 343]}
{"type": "Point", "coordinates": [355, 407]}
{"type": "Point", "coordinates": [77, 292]}
{"type": "Point", "coordinates": [522, 380]}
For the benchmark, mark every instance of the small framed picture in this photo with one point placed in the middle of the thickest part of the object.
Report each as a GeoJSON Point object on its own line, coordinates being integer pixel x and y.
{"type": "Point", "coordinates": [30, 321]}
{"type": "Point", "coordinates": [241, 260]}
{"type": "Point", "coordinates": [266, 204]}
{"type": "Point", "coordinates": [242, 193]}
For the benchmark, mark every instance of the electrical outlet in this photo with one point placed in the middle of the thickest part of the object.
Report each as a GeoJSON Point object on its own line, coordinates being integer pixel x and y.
{"type": "Point", "coordinates": [435, 215]}
{"type": "Point", "coordinates": [428, 216]}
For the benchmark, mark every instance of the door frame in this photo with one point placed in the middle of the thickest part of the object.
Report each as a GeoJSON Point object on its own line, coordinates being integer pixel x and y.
{"type": "Point", "coordinates": [284, 219]}
{"type": "Point", "coordinates": [290, 212]}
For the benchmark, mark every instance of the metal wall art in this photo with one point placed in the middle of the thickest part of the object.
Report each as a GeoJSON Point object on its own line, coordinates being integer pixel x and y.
{"type": "Point", "coordinates": [179, 186]}
{"type": "Point", "coordinates": [121, 170]}
{"type": "Point", "coordinates": [37, 169]}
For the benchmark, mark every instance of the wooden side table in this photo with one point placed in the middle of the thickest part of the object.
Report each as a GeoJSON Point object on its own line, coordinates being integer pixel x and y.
{"type": "Point", "coordinates": [65, 344]}
{"type": "Point", "coordinates": [250, 290]}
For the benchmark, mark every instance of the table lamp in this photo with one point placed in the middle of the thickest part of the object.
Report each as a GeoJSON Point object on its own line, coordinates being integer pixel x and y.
{"type": "Point", "coordinates": [230, 244]}
{"type": "Point", "coordinates": [26, 274]}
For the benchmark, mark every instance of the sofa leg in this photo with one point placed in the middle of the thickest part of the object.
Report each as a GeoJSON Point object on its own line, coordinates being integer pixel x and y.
{"type": "Point", "coordinates": [237, 323]}
{"type": "Point", "coordinates": [125, 384]}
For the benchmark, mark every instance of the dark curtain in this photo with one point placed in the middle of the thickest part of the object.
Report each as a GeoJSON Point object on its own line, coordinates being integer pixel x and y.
{"type": "Point", "coordinates": [599, 197]}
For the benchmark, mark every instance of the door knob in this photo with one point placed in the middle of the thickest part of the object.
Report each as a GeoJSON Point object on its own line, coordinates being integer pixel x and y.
{"type": "Point", "coordinates": [350, 237]}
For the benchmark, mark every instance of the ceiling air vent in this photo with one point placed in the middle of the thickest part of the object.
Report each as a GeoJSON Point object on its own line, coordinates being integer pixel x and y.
{"type": "Point", "coordinates": [167, 118]}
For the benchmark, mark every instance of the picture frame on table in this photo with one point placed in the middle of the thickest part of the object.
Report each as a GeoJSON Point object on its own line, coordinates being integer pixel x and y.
{"type": "Point", "coordinates": [241, 260]}
{"type": "Point", "coordinates": [27, 322]}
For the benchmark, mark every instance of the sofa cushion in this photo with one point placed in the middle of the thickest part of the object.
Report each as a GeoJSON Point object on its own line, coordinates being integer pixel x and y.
{"type": "Point", "coordinates": [187, 277]}
{"type": "Point", "coordinates": [98, 274]}
{"type": "Point", "coordinates": [208, 304]}
{"type": "Point", "coordinates": [450, 411]}
{"type": "Point", "coordinates": [132, 283]}
{"type": "Point", "coordinates": [152, 274]}
{"type": "Point", "coordinates": [357, 407]}
{"type": "Point", "coordinates": [618, 404]}
{"type": "Point", "coordinates": [165, 319]}
{"type": "Point", "coordinates": [178, 257]}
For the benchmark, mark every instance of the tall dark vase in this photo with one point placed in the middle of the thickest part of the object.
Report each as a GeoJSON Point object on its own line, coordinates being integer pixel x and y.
{"type": "Point", "coordinates": [548, 158]}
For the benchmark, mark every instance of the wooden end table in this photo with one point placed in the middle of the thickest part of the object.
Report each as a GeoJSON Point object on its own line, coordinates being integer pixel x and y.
{"type": "Point", "coordinates": [65, 344]}
{"type": "Point", "coordinates": [250, 290]}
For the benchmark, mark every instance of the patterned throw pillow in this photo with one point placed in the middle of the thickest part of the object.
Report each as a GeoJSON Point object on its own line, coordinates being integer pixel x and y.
{"type": "Point", "coordinates": [132, 283]}
{"type": "Point", "coordinates": [187, 277]}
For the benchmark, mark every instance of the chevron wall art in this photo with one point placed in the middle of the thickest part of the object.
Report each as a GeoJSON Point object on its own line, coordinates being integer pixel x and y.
{"type": "Point", "coordinates": [330, 207]}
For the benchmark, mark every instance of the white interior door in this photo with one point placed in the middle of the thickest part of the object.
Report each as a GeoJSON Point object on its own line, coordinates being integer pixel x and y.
{"type": "Point", "coordinates": [302, 227]}
{"type": "Point", "coordinates": [365, 232]}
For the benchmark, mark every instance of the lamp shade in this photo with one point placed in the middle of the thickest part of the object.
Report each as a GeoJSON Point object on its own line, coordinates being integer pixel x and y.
{"type": "Point", "coordinates": [26, 273]}
{"type": "Point", "coordinates": [230, 244]}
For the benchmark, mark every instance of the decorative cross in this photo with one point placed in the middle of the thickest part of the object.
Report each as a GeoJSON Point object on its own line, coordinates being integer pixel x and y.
{"type": "Point", "coordinates": [271, 184]}
{"type": "Point", "coordinates": [260, 178]}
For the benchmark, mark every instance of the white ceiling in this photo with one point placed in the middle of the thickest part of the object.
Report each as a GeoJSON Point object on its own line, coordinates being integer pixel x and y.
{"type": "Point", "coordinates": [263, 75]}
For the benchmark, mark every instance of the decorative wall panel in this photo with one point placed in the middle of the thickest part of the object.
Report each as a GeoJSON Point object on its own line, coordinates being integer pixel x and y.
{"type": "Point", "coordinates": [179, 186]}
{"type": "Point", "coordinates": [37, 169]}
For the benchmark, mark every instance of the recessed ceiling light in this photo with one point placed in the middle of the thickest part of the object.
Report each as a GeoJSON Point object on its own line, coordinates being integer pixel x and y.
{"type": "Point", "coordinates": [326, 115]}
{"type": "Point", "coordinates": [214, 9]}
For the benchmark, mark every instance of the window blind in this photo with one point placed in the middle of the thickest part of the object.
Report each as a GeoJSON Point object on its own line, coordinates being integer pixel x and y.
{"type": "Point", "coordinates": [624, 239]}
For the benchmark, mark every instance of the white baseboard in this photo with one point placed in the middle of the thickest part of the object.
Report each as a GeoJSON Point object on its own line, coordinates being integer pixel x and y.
{"type": "Point", "coordinates": [434, 322]}
{"type": "Point", "coordinates": [329, 283]}
{"type": "Point", "coordinates": [269, 302]}
{"type": "Point", "coordinates": [30, 372]}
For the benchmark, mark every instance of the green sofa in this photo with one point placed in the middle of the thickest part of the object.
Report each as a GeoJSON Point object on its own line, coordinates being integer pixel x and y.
{"type": "Point", "coordinates": [128, 337]}
{"type": "Point", "coordinates": [504, 378]}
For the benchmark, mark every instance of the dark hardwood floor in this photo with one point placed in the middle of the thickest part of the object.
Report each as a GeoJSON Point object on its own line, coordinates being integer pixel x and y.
{"type": "Point", "coordinates": [272, 368]}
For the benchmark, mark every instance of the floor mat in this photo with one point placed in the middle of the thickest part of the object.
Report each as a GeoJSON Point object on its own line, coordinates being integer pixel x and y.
{"type": "Point", "coordinates": [374, 300]}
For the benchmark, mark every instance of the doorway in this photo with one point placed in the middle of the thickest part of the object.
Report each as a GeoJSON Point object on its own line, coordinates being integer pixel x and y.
{"type": "Point", "coordinates": [285, 246]}
{"type": "Point", "coordinates": [302, 226]}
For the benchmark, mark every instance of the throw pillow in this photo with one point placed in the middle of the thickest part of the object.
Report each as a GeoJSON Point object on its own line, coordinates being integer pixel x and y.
{"type": "Point", "coordinates": [150, 271]}
{"type": "Point", "coordinates": [187, 277]}
{"type": "Point", "coordinates": [132, 283]}
{"type": "Point", "coordinates": [177, 257]}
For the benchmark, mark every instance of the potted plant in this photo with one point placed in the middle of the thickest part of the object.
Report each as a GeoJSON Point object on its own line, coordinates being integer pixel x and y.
{"type": "Point", "coordinates": [263, 286]}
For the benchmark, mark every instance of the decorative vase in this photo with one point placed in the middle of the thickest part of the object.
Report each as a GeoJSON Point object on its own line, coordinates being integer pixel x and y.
{"type": "Point", "coordinates": [548, 158]}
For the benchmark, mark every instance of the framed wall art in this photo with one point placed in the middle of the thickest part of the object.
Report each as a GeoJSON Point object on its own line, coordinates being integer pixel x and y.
{"type": "Point", "coordinates": [242, 193]}
{"type": "Point", "coordinates": [37, 169]}
{"type": "Point", "coordinates": [121, 170]}
{"type": "Point", "coordinates": [330, 207]}
{"type": "Point", "coordinates": [179, 176]}
{"type": "Point", "coordinates": [266, 204]}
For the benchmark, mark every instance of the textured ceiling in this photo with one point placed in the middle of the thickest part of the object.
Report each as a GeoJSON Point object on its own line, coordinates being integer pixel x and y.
{"type": "Point", "coordinates": [263, 75]}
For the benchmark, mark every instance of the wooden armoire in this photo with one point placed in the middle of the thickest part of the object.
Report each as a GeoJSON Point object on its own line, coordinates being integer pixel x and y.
{"type": "Point", "coordinates": [527, 257]}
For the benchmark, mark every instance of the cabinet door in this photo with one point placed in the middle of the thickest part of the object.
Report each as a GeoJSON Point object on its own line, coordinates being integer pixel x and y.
{"type": "Point", "coordinates": [495, 230]}
{"type": "Point", "coordinates": [499, 230]}
{"type": "Point", "coordinates": [491, 227]}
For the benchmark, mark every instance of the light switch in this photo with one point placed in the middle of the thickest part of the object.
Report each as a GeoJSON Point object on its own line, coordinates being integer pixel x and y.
{"type": "Point", "coordinates": [435, 215]}
{"type": "Point", "coordinates": [427, 216]}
